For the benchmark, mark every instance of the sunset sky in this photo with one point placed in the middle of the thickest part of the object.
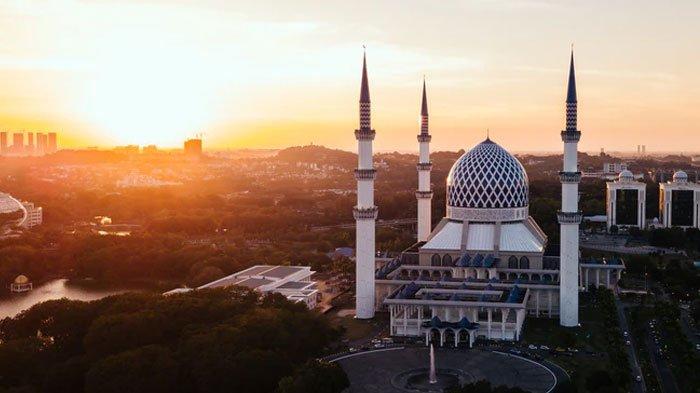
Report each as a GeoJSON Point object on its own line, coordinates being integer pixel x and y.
{"type": "Point", "coordinates": [279, 73]}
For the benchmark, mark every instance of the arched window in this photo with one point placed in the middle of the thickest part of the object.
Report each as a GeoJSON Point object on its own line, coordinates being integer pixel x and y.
{"type": "Point", "coordinates": [435, 260]}
{"type": "Point", "coordinates": [513, 262]}
{"type": "Point", "coordinates": [447, 260]}
{"type": "Point", "coordinates": [524, 262]}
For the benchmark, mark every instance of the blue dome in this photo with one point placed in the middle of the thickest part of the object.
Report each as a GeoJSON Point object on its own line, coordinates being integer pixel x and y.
{"type": "Point", "coordinates": [487, 177]}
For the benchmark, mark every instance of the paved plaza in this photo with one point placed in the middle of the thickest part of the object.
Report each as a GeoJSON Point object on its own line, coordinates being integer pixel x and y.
{"type": "Point", "coordinates": [377, 371]}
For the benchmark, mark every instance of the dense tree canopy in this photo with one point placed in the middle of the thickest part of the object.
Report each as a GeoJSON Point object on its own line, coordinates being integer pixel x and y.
{"type": "Point", "coordinates": [224, 340]}
{"type": "Point", "coordinates": [315, 376]}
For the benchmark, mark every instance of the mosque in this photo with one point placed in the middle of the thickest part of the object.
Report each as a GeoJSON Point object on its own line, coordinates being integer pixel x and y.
{"type": "Point", "coordinates": [482, 269]}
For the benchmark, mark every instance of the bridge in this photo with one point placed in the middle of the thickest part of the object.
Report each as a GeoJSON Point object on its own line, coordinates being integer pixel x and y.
{"type": "Point", "coordinates": [379, 224]}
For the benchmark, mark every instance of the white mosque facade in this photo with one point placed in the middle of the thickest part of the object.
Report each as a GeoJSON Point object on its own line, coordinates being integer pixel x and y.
{"type": "Point", "coordinates": [482, 269]}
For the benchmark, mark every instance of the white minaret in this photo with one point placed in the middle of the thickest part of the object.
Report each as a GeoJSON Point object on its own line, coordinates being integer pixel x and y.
{"type": "Point", "coordinates": [424, 193]}
{"type": "Point", "coordinates": [365, 212]}
{"type": "Point", "coordinates": [569, 216]}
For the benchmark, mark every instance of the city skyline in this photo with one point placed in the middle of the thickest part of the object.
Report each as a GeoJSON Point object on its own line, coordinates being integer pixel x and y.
{"type": "Point", "coordinates": [103, 75]}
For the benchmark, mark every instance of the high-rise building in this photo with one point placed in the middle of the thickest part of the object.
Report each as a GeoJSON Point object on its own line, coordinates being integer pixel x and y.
{"type": "Point", "coordinates": [569, 216]}
{"type": "Point", "coordinates": [679, 202]}
{"type": "Point", "coordinates": [644, 150]}
{"type": "Point", "coordinates": [52, 143]}
{"type": "Point", "coordinates": [41, 143]}
{"type": "Point", "coordinates": [30, 143]}
{"type": "Point", "coordinates": [3, 142]}
{"type": "Point", "coordinates": [424, 193]}
{"type": "Point", "coordinates": [626, 202]}
{"type": "Point", "coordinates": [18, 143]}
{"type": "Point", "coordinates": [193, 148]}
{"type": "Point", "coordinates": [365, 211]}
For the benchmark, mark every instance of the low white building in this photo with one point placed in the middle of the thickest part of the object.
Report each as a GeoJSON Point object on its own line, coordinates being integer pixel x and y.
{"type": "Point", "coordinates": [293, 282]}
{"type": "Point", "coordinates": [626, 202]}
{"type": "Point", "coordinates": [679, 202]}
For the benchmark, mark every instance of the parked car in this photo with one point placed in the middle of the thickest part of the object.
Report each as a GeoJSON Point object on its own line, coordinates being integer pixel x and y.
{"type": "Point", "coordinates": [638, 378]}
{"type": "Point", "coordinates": [544, 347]}
{"type": "Point", "coordinates": [628, 342]}
{"type": "Point", "coordinates": [532, 346]}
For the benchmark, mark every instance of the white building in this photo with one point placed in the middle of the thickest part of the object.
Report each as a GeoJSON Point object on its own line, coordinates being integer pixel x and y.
{"type": "Point", "coordinates": [614, 167]}
{"type": "Point", "coordinates": [626, 202]}
{"type": "Point", "coordinates": [293, 282]}
{"type": "Point", "coordinates": [679, 202]}
{"type": "Point", "coordinates": [482, 269]}
{"type": "Point", "coordinates": [34, 216]}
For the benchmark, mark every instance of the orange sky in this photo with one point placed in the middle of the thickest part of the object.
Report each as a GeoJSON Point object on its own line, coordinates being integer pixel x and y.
{"type": "Point", "coordinates": [280, 73]}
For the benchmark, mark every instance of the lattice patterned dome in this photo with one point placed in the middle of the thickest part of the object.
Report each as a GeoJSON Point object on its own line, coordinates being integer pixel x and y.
{"type": "Point", "coordinates": [487, 177]}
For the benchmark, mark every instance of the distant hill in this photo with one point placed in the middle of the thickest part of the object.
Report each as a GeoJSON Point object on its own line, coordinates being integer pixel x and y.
{"type": "Point", "coordinates": [317, 154]}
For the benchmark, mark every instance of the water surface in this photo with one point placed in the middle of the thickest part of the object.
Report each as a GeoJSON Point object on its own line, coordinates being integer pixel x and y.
{"type": "Point", "coordinates": [54, 289]}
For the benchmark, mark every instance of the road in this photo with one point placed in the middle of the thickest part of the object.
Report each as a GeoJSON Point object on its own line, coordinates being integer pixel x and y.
{"type": "Point", "coordinates": [688, 328]}
{"type": "Point", "coordinates": [636, 387]}
{"type": "Point", "coordinates": [663, 372]}
{"type": "Point", "coordinates": [380, 223]}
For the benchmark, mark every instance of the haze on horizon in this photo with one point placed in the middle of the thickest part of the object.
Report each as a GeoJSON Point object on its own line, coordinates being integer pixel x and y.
{"type": "Point", "coordinates": [278, 73]}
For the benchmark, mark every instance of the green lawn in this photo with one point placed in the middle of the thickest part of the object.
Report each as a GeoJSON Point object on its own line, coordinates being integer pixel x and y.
{"type": "Point", "coordinates": [355, 329]}
{"type": "Point", "coordinates": [589, 339]}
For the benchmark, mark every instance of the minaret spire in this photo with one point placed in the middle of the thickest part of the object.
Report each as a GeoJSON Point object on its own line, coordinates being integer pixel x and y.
{"type": "Point", "coordinates": [424, 194]}
{"type": "Point", "coordinates": [571, 100]}
{"type": "Point", "coordinates": [365, 212]}
{"type": "Point", "coordinates": [364, 88]}
{"type": "Point", "coordinates": [571, 88]}
{"type": "Point", "coordinates": [569, 216]}
{"type": "Point", "coordinates": [424, 104]}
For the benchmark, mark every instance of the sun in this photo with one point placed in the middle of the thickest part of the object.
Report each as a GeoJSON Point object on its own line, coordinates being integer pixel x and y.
{"type": "Point", "coordinates": [141, 93]}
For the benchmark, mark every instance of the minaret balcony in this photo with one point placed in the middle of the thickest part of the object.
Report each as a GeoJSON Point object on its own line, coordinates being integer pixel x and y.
{"type": "Point", "coordinates": [569, 217]}
{"type": "Point", "coordinates": [569, 136]}
{"type": "Point", "coordinates": [570, 177]}
{"type": "Point", "coordinates": [424, 194]}
{"type": "Point", "coordinates": [365, 134]}
{"type": "Point", "coordinates": [365, 213]}
{"type": "Point", "coordinates": [424, 137]}
{"type": "Point", "coordinates": [365, 174]}
{"type": "Point", "coordinates": [424, 166]}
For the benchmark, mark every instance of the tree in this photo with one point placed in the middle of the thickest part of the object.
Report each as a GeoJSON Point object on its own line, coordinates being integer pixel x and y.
{"type": "Point", "coordinates": [316, 376]}
{"type": "Point", "coordinates": [600, 381]}
{"type": "Point", "coordinates": [695, 310]}
{"type": "Point", "coordinates": [149, 369]}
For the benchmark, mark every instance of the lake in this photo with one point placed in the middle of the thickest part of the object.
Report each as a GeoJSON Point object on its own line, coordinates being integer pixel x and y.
{"type": "Point", "coordinates": [54, 289]}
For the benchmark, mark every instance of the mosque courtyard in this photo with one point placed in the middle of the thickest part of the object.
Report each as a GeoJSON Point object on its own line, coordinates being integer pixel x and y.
{"type": "Point", "coordinates": [383, 370]}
